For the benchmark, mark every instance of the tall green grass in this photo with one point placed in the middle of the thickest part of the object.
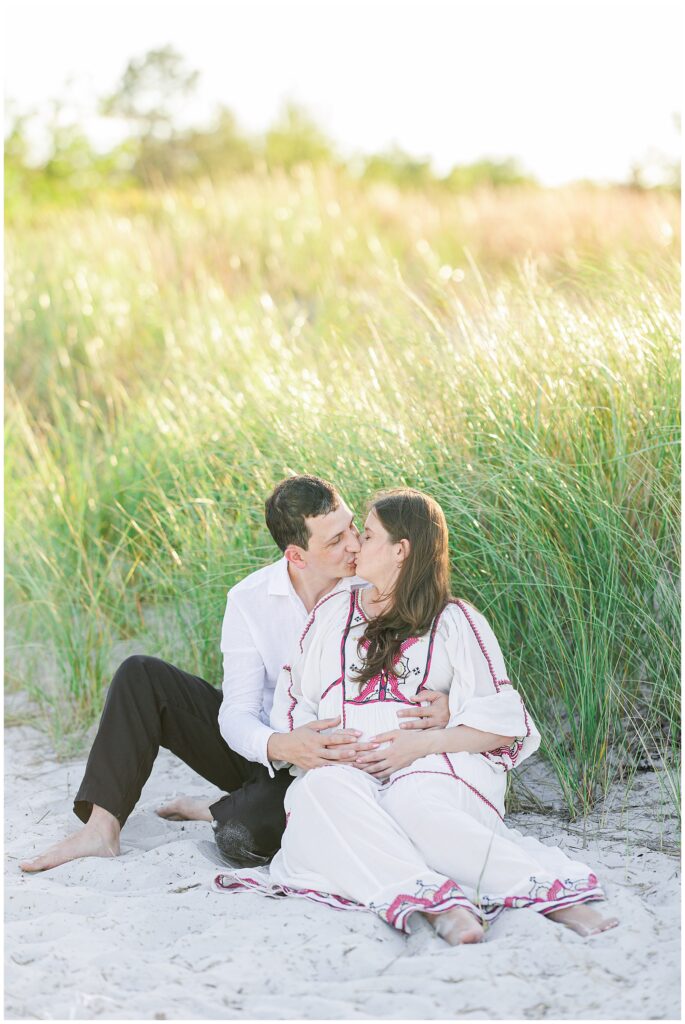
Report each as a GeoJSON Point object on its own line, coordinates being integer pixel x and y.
{"type": "Point", "coordinates": [169, 361]}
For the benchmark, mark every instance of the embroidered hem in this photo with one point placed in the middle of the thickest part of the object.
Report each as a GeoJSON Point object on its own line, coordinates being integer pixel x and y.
{"type": "Point", "coordinates": [435, 898]}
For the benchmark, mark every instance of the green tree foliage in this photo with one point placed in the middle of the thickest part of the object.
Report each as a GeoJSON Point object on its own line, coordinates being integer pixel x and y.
{"type": "Point", "coordinates": [398, 166]}
{"type": "Point", "coordinates": [487, 172]}
{"type": "Point", "coordinates": [295, 138]}
{"type": "Point", "coordinates": [18, 173]}
{"type": "Point", "coordinates": [218, 151]}
{"type": "Point", "coordinates": [152, 89]}
{"type": "Point", "coordinates": [70, 169]}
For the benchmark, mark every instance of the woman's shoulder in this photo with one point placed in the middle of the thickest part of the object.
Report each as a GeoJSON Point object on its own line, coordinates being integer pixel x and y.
{"type": "Point", "coordinates": [331, 610]}
{"type": "Point", "coordinates": [459, 615]}
{"type": "Point", "coordinates": [467, 625]}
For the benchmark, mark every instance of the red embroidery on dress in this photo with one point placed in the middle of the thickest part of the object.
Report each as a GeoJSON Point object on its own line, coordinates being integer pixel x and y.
{"type": "Point", "coordinates": [570, 901]}
{"type": "Point", "coordinates": [429, 657]}
{"type": "Point", "coordinates": [447, 775]}
{"type": "Point", "coordinates": [329, 898]}
{"type": "Point", "coordinates": [559, 893]}
{"type": "Point", "coordinates": [362, 698]}
{"type": "Point", "coordinates": [472, 788]}
{"type": "Point", "coordinates": [502, 755]}
{"type": "Point", "coordinates": [497, 682]}
{"type": "Point", "coordinates": [328, 689]}
{"type": "Point", "coordinates": [315, 609]}
{"type": "Point", "coordinates": [343, 641]}
{"type": "Point", "coordinates": [307, 627]}
{"type": "Point", "coordinates": [316, 892]}
{"type": "Point", "coordinates": [382, 700]}
{"type": "Point", "coordinates": [406, 901]}
{"type": "Point", "coordinates": [525, 715]}
{"type": "Point", "coordinates": [293, 699]}
{"type": "Point", "coordinates": [419, 771]}
{"type": "Point", "coordinates": [382, 680]}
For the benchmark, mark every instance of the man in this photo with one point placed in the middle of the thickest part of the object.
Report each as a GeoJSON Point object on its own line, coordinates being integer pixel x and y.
{"type": "Point", "coordinates": [151, 703]}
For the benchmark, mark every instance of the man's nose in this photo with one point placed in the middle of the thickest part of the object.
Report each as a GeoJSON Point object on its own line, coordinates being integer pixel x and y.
{"type": "Point", "coordinates": [353, 543]}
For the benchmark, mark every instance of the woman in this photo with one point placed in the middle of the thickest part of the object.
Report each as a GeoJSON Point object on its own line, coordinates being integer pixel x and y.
{"type": "Point", "coordinates": [417, 824]}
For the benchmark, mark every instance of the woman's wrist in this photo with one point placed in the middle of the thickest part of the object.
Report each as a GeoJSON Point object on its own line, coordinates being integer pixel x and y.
{"type": "Point", "coordinates": [443, 741]}
{"type": "Point", "coordinates": [454, 739]}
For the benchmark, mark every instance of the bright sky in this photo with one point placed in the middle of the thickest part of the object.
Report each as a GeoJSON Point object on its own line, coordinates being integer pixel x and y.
{"type": "Point", "coordinates": [570, 87]}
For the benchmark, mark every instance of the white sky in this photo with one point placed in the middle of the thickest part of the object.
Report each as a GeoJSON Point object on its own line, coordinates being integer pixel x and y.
{"type": "Point", "coordinates": [570, 87]}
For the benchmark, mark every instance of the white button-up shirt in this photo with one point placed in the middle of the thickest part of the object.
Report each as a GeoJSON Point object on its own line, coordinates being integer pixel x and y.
{"type": "Point", "coordinates": [263, 622]}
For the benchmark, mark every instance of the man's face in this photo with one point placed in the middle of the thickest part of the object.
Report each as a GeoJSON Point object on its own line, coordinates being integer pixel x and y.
{"type": "Point", "coordinates": [333, 543]}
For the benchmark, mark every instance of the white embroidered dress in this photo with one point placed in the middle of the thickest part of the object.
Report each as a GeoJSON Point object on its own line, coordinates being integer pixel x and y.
{"type": "Point", "coordinates": [432, 836]}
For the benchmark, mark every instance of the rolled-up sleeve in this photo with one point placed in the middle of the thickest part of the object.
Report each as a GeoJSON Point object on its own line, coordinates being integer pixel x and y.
{"type": "Point", "coordinates": [481, 695]}
{"type": "Point", "coordinates": [243, 688]}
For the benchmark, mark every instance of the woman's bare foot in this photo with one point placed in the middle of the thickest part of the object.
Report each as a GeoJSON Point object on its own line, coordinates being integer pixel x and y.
{"type": "Point", "coordinates": [583, 919]}
{"type": "Point", "coordinates": [186, 808]}
{"type": "Point", "coordinates": [99, 837]}
{"type": "Point", "coordinates": [457, 926]}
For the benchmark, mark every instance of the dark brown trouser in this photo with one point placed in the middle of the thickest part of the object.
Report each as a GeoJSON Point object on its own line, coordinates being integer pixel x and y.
{"type": "Point", "coordinates": [152, 704]}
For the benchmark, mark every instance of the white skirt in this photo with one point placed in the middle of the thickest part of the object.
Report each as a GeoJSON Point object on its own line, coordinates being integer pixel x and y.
{"type": "Point", "coordinates": [430, 838]}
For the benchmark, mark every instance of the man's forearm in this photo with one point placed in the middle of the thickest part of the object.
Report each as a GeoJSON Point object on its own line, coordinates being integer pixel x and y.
{"type": "Point", "coordinates": [457, 738]}
{"type": "Point", "coordinates": [245, 733]}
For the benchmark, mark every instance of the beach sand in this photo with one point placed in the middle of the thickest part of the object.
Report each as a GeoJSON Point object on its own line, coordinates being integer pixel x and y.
{"type": "Point", "coordinates": [145, 936]}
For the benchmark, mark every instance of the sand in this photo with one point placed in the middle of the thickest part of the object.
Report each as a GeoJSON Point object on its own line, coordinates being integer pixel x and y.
{"type": "Point", "coordinates": [145, 935]}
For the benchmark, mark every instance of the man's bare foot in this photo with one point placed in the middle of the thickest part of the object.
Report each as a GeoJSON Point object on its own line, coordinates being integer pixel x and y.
{"type": "Point", "coordinates": [583, 919]}
{"type": "Point", "coordinates": [457, 926]}
{"type": "Point", "coordinates": [99, 837]}
{"type": "Point", "coordinates": [186, 808]}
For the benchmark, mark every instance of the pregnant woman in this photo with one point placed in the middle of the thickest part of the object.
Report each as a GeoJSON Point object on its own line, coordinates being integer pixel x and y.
{"type": "Point", "coordinates": [417, 824]}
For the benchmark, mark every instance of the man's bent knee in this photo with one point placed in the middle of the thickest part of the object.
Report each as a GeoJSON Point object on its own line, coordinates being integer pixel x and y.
{"type": "Point", "coordinates": [136, 670]}
{"type": "Point", "coordinates": [132, 666]}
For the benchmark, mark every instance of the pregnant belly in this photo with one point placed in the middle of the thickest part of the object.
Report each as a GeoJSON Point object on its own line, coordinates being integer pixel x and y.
{"type": "Point", "coordinates": [372, 719]}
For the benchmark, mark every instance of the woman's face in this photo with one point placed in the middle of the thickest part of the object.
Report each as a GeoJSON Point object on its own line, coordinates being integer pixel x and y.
{"type": "Point", "coordinates": [380, 559]}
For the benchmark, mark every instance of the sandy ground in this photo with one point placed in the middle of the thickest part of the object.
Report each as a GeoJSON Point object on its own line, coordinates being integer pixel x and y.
{"type": "Point", "coordinates": [145, 936]}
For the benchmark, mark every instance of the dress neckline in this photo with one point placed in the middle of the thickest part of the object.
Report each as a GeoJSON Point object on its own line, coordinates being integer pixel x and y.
{"type": "Point", "coordinates": [360, 607]}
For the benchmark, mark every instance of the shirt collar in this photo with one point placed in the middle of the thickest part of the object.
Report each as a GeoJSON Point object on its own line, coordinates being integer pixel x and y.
{"type": "Point", "coordinates": [280, 585]}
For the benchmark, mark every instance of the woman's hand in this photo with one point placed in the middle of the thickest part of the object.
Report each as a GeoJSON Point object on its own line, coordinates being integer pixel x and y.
{"type": "Point", "coordinates": [405, 748]}
{"type": "Point", "coordinates": [435, 716]}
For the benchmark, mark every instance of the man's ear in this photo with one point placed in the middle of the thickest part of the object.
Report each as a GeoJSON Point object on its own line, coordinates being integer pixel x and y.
{"type": "Point", "coordinates": [295, 554]}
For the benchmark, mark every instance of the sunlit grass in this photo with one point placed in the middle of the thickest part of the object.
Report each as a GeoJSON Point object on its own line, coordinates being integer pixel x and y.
{"type": "Point", "coordinates": [516, 355]}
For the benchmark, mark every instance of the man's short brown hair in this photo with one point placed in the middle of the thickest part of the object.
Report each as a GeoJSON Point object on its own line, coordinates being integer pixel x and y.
{"type": "Point", "coordinates": [291, 501]}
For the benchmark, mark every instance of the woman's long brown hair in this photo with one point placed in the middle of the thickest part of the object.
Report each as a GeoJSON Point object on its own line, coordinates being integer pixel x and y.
{"type": "Point", "coordinates": [422, 588]}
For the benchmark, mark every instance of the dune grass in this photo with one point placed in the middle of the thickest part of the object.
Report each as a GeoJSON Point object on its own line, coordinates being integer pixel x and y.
{"type": "Point", "coordinates": [171, 356]}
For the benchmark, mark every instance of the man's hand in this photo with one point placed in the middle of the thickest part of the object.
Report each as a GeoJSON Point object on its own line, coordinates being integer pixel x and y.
{"type": "Point", "coordinates": [435, 716]}
{"type": "Point", "coordinates": [307, 748]}
{"type": "Point", "coordinates": [404, 749]}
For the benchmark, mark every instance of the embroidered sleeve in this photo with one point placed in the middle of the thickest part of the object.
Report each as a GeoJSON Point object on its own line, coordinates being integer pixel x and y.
{"type": "Point", "coordinates": [481, 695]}
{"type": "Point", "coordinates": [298, 689]}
